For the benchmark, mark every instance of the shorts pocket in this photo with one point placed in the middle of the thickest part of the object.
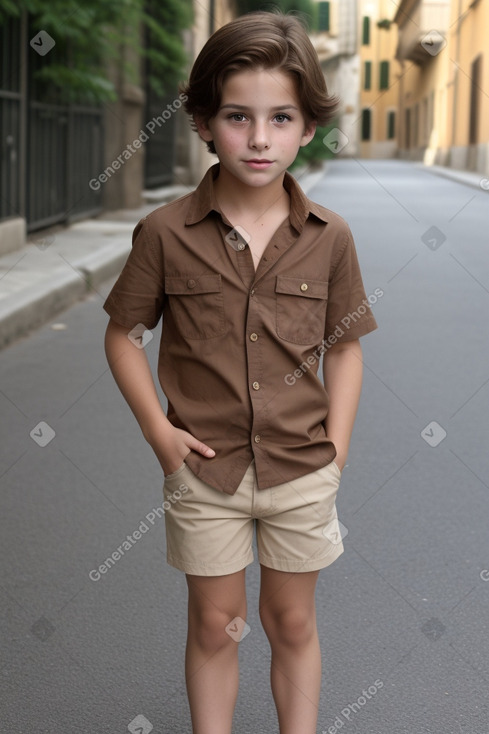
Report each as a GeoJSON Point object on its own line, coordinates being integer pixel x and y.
{"type": "Point", "coordinates": [197, 305]}
{"type": "Point", "coordinates": [338, 470]}
{"type": "Point", "coordinates": [301, 309]}
{"type": "Point", "coordinates": [175, 474]}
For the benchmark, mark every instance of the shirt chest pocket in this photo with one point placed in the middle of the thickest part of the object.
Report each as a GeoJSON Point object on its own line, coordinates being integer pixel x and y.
{"type": "Point", "coordinates": [197, 305]}
{"type": "Point", "coordinates": [301, 309]}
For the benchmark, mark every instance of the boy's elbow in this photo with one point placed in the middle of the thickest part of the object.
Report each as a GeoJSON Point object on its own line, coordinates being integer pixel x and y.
{"type": "Point", "coordinates": [113, 333]}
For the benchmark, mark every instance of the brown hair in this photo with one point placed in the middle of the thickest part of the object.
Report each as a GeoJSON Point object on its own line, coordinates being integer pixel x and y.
{"type": "Point", "coordinates": [258, 40]}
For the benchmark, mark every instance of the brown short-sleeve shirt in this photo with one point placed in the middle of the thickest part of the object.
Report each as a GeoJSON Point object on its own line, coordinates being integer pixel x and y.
{"type": "Point", "coordinates": [240, 349]}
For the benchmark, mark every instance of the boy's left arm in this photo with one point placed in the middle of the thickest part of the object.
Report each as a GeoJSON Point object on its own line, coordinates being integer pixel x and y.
{"type": "Point", "coordinates": [342, 371]}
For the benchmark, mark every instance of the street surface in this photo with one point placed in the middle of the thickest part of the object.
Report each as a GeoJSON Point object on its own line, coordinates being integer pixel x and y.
{"type": "Point", "coordinates": [403, 615]}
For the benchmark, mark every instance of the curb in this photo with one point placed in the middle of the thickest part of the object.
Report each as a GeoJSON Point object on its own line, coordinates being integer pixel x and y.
{"type": "Point", "coordinates": [29, 310]}
{"type": "Point", "coordinates": [476, 180]}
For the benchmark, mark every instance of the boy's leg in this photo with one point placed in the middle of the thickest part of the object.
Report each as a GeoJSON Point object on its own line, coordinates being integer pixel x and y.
{"type": "Point", "coordinates": [288, 615]}
{"type": "Point", "coordinates": [211, 660]}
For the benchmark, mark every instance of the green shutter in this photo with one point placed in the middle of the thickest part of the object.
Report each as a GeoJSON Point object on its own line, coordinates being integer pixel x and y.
{"type": "Point", "coordinates": [366, 117]}
{"type": "Point", "coordinates": [367, 79]}
{"type": "Point", "coordinates": [366, 31]}
{"type": "Point", "coordinates": [323, 16]}
{"type": "Point", "coordinates": [384, 75]}
{"type": "Point", "coordinates": [391, 125]}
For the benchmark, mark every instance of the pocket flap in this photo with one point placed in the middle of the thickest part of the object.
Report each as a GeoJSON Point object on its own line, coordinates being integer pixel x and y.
{"type": "Point", "coordinates": [302, 287]}
{"type": "Point", "coordinates": [192, 284]}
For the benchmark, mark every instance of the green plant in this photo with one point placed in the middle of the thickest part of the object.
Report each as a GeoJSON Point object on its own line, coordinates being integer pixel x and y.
{"type": "Point", "coordinates": [90, 34]}
{"type": "Point", "coordinates": [316, 151]}
{"type": "Point", "coordinates": [306, 9]}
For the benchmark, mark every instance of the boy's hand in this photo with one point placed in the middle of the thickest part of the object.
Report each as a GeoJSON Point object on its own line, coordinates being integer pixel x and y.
{"type": "Point", "coordinates": [174, 445]}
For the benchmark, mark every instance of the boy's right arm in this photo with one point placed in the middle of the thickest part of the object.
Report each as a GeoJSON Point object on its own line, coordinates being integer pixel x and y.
{"type": "Point", "coordinates": [130, 368]}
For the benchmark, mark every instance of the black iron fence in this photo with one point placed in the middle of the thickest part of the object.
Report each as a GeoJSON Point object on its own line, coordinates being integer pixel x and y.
{"type": "Point", "coordinates": [49, 152]}
{"type": "Point", "coordinates": [65, 151]}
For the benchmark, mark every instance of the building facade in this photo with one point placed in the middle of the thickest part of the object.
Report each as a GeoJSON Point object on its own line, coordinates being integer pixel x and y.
{"type": "Point", "coordinates": [336, 43]}
{"type": "Point", "coordinates": [379, 80]}
{"type": "Point", "coordinates": [443, 90]}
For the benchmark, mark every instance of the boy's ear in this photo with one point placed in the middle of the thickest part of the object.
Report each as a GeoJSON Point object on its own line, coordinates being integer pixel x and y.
{"type": "Point", "coordinates": [309, 132]}
{"type": "Point", "coordinates": [203, 129]}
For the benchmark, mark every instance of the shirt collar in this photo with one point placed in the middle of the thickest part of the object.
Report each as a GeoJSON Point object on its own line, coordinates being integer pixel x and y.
{"type": "Point", "coordinates": [204, 201]}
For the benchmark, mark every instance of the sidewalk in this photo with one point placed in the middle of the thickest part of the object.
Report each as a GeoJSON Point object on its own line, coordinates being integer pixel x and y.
{"type": "Point", "coordinates": [58, 267]}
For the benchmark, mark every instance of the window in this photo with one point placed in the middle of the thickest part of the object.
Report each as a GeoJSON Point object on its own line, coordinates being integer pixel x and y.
{"type": "Point", "coordinates": [366, 124]}
{"type": "Point", "coordinates": [384, 75]}
{"type": "Point", "coordinates": [415, 137]}
{"type": "Point", "coordinates": [367, 75]}
{"type": "Point", "coordinates": [323, 19]}
{"type": "Point", "coordinates": [407, 130]}
{"type": "Point", "coordinates": [425, 130]}
{"type": "Point", "coordinates": [391, 125]}
{"type": "Point", "coordinates": [366, 31]}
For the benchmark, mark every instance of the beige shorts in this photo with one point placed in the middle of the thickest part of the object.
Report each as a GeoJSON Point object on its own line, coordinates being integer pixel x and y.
{"type": "Point", "coordinates": [210, 533]}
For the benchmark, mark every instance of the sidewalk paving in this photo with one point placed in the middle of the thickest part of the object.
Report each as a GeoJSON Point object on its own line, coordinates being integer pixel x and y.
{"type": "Point", "coordinates": [58, 267]}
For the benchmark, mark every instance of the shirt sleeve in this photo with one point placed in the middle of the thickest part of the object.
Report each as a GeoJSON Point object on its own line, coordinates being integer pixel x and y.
{"type": "Point", "coordinates": [348, 315]}
{"type": "Point", "coordinates": [138, 294]}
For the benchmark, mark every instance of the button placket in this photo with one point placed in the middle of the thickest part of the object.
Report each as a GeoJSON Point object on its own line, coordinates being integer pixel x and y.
{"type": "Point", "coordinates": [255, 365]}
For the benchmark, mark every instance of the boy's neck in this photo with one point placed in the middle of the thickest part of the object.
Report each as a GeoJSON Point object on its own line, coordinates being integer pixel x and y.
{"type": "Point", "coordinates": [234, 196]}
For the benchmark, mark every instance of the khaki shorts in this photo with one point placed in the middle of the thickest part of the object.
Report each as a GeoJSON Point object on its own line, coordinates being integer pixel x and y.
{"type": "Point", "coordinates": [210, 533]}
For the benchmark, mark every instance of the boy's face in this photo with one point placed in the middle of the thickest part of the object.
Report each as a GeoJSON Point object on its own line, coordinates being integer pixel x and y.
{"type": "Point", "coordinates": [259, 126]}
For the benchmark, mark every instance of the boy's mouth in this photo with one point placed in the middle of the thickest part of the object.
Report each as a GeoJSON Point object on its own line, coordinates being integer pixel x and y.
{"type": "Point", "coordinates": [258, 163]}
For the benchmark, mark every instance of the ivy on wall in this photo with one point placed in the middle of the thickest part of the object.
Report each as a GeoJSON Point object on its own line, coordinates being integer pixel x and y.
{"type": "Point", "coordinates": [90, 34]}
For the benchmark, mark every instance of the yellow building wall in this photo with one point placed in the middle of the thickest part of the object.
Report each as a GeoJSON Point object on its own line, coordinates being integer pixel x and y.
{"type": "Point", "coordinates": [423, 92]}
{"type": "Point", "coordinates": [469, 38]}
{"type": "Point", "coordinates": [382, 47]}
{"type": "Point", "coordinates": [447, 80]}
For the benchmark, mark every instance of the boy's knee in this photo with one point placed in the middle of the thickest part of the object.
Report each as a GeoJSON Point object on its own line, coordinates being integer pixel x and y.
{"type": "Point", "coordinates": [211, 627]}
{"type": "Point", "coordinates": [293, 627]}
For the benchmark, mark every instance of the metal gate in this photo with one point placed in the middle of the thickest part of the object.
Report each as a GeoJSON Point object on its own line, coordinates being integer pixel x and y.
{"type": "Point", "coordinates": [49, 151]}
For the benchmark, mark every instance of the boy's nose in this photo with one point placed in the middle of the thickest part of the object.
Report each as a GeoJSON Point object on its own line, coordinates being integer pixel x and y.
{"type": "Point", "coordinates": [259, 137]}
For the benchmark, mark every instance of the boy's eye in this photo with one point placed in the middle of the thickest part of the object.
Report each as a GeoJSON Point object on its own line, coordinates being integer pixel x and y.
{"type": "Point", "coordinates": [237, 115]}
{"type": "Point", "coordinates": [282, 117]}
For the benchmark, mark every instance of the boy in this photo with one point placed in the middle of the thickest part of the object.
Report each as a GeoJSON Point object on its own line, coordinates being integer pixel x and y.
{"type": "Point", "coordinates": [252, 280]}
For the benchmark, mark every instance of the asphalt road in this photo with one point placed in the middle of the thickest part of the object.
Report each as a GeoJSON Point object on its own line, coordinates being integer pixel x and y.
{"type": "Point", "coordinates": [403, 614]}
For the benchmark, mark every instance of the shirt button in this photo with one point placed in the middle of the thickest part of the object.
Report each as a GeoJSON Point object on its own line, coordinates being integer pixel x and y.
{"type": "Point", "coordinates": [304, 287]}
{"type": "Point", "coordinates": [253, 337]}
{"type": "Point", "coordinates": [252, 292]}
{"type": "Point", "coordinates": [256, 386]}
{"type": "Point", "coordinates": [191, 283]}
{"type": "Point", "coordinates": [241, 246]}
{"type": "Point", "coordinates": [257, 438]}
